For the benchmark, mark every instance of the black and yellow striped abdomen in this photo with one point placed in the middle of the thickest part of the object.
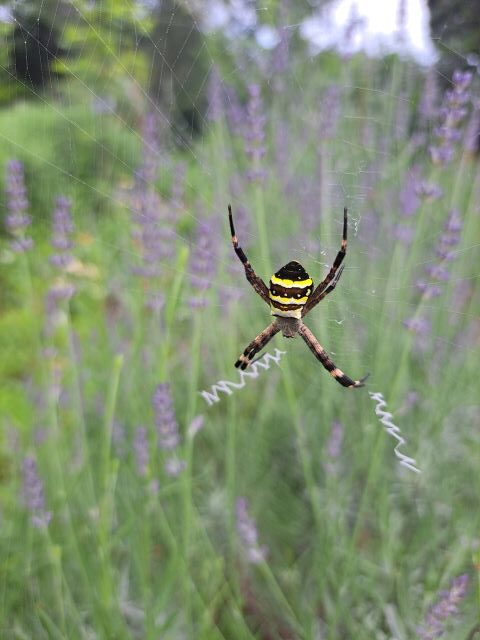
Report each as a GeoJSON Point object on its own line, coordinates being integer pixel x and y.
{"type": "Point", "coordinates": [289, 290]}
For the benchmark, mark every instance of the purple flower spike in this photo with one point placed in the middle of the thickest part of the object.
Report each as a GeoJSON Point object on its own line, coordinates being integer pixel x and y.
{"type": "Point", "coordinates": [153, 233]}
{"type": "Point", "coordinates": [247, 533]}
{"type": "Point", "coordinates": [33, 494]}
{"type": "Point", "coordinates": [165, 420]}
{"type": "Point", "coordinates": [17, 220]}
{"type": "Point", "coordinates": [255, 134]}
{"type": "Point", "coordinates": [445, 607]}
{"type": "Point", "coordinates": [168, 437]}
{"type": "Point", "coordinates": [452, 112]}
{"type": "Point", "coordinates": [438, 271]}
{"type": "Point", "coordinates": [203, 262]}
{"type": "Point", "coordinates": [62, 231]}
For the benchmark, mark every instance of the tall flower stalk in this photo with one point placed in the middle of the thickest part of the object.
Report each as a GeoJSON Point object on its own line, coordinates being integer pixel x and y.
{"type": "Point", "coordinates": [453, 112]}
{"type": "Point", "coordinates": [33, 494]}
{"type": "Point", "coordinates": [17, 220]}
{"type": "Point", "coordinates": [168, 436]}
{"type": "Point", "coordinates": [61, 288]}
{"type": "Point", "coordinates": [153, 233]}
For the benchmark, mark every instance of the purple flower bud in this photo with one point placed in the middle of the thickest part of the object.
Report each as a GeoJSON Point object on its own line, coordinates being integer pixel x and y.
{"type": "Point", "coordinates": [438, 272]}
{"type": "Point", "coordinates": [418, 325]}
{"type": "Point", "coordinates": [33, 494]}
{"type": "Point", "coordinates": [429, 289]}
{"type": "Point", "coordinates": [441, 155]}
{"type": "Point", "coordinates": [429, 190]}
{"type": "Point", "coordinates": [165, 420]}
{"type": "Point", "coordinates": [461, 79]}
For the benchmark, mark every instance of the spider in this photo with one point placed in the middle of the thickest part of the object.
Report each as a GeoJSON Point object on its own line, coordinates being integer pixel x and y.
{"type": "Point", "coordinates": [291, 296]}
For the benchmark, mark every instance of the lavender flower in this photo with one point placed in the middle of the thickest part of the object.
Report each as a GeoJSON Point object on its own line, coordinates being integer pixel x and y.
{"type": "Point", "coordinates": [247, 533]}
{"type": "Point", "coordinates": [61, 288]}
{"type": "Point", "coordinates": [153, 233]}
{"type": "Point", "coordinates": [255, 134]}
{"type": "Point", "coordinates": [33, 494]}
{"type": "Point", "coordinates": [452, 112]}
{"type": "Point", "coordinates": [438, 271]}
{"type": "Point", "coordinates": [165, 420]}
{"type": "Point", "coordinates": [203, 262]}
{"type": "Point", "coordinates": [429, 190]}
{"type": "Point", "coordinates": [168, 437]}
{"type": "Point", "coordinates": [445, 607]}
{"type": "Point", "coordinates": [61, 236]}
{"type": "Point", "coordinates": [141, 449]}
{"type": "Point", "coordinates": [17, 220]}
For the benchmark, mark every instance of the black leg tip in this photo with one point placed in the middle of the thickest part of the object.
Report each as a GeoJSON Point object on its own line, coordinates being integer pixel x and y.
{"type": "Point", "coordinates": [362, 381]}
{"type": "Point", "coordinates": [238, 363]}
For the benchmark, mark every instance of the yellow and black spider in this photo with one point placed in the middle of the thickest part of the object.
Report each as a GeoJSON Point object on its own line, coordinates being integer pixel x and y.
{"type": "Point", "coordinates": [290, 297]}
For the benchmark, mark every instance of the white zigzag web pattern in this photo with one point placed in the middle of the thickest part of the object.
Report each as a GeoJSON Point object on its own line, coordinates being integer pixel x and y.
{"type": "Point", "coordinates": [227, 386]}
{"type": "Point", "coordinates": [386, 419]}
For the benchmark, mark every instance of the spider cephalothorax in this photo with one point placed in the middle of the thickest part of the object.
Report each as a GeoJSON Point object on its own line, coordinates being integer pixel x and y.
{"type": "Point", "coordinates": [291, 296]}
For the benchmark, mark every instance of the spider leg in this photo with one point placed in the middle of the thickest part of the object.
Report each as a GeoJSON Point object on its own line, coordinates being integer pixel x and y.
{"type": "Point", "coordinates": [330, 282]}
{"type": "Point", "coordinates": [320, 353]}
{"type": "Point", "coordinates": [256, 282]}
{"type": "Point", "coordinates": [256, 345]}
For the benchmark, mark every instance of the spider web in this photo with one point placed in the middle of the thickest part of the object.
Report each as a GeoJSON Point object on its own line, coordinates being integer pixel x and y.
{"type": "Point", "coordinates": [244, 48]}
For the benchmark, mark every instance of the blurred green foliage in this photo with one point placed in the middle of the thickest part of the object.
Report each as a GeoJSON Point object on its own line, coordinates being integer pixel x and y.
{"type": "Point", "coordinates": [69, 150]}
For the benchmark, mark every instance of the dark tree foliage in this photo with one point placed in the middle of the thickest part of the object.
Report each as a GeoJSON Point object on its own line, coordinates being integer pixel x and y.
{"type": "Point", "coordinates": [35, 45]}
{"type": "Point", "coordinates": [455, 26]}
{"type": "Point", "coordinates": [179, 68]}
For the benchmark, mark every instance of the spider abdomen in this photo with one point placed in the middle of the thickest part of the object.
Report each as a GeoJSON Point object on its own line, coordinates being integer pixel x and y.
{"type": "Point", "coordinates": [289, 290]}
